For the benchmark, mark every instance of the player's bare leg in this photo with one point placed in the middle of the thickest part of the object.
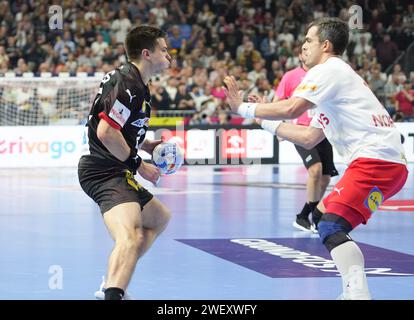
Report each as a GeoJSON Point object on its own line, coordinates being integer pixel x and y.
{"type": "Point", "coordinates": [124, 223]}
{"type": "Point", "coordinates": [324, 182]}
{"type": "Point", "coordinates": [313, 194]}
{"type": "Point", "coordinates": [313, 185]}
{"type": "Point", "coordinates": [134, 233]}
{"type": "Point", "coordinates": [155, 218]}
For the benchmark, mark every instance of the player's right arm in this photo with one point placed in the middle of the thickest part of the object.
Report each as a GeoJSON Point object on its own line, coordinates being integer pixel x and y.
{"type": "Point", "coordinates": [112, 118]}
{"type": "Point", "coordinates": [304, 136]}
{"type": "Point", "coordinates": [113, 112]}
{"type": "Point", "coordinates": [113, 140]}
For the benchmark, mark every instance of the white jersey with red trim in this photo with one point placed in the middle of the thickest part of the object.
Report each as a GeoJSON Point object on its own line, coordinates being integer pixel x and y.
{"type": "Point", "coordinates": [352, 118]}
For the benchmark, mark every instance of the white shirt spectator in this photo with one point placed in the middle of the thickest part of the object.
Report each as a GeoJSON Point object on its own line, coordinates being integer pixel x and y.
{"type": "Point", "coordinates": [286, 36]}
{"type": "Point", "coordinates": [120, 27]}
{"type": "Point", "coordinates": [161, 13]}
{"type": "Point", "coordinates": [98, 46]}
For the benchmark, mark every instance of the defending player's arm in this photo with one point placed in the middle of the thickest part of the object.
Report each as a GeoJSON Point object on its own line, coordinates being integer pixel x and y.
{"type": "Point", "coordinates": [305, 136]}
{"type": "Point", "coordinates": [281, 110]}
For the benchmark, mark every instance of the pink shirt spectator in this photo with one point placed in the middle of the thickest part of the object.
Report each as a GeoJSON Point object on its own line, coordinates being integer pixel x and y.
{"type": "Point", "coordinates": [218, 92]}
{"type": "Point", "coordinates": [287, 86]}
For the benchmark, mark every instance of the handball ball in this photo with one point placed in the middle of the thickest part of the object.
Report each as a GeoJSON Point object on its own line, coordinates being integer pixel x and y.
{"type": "Point", "coordinates": [168, 157]}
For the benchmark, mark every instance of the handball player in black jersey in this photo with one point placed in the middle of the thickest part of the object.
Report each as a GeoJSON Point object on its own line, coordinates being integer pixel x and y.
{"type": "Point", "coordinates": [117, 124]}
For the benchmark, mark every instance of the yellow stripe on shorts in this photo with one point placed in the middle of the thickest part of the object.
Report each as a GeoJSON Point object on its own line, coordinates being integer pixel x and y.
{"type": "Point", "coordinates": [131, 180]}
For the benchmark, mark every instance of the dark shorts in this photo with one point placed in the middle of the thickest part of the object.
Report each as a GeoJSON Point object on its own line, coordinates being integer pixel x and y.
{"type": "Point", "coordinates": [323, 153]}
{"type": "Point", "coordinates": [109, 190]}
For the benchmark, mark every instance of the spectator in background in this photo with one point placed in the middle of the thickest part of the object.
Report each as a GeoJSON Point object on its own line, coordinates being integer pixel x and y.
{"type": "Point", "coordinates": [258, 71]}
{"type": "Point", "coordinates": [89, 33]}
{"type": "Point", "coordinates": [86, 59]}
{"type": "Point", "coordinates": [249, 56]}
{"type": "Point", "coordinates": [183, 100]}
{"type": "Point", "coordinates": [120, 26]}
{"type": "Point", "coordinates": [3, 56]}
{"type": "Point", "coordinates": [377, 84]}
{"type": "Point", "coordinates": [387, 51]}
{"type": "Point", "coordinates": [161, 99]}
{"type": "Point", "coordinates": [404, 101]}
{"type": "Point", "coordinates": [217, 91]}
{"type": "Point", "coordinates": [268, 47]}
{"type": "Point", "coordinates": [362, 46]}
{"type": "Point", "coordinates": [171, 88]}
{"type": "Point", "coordinates": [99, 46]}
{"type": "Point", "coordinates": [175, 38]}
{"type": "Point", "coordinates": [61, 44]}
{"type": "Point", "coordinates": [390, 90]}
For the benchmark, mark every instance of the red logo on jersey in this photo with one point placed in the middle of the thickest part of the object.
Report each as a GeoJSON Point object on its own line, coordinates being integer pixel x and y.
{"type": "Point", "coordinates": [323, 120]}
{"type": "Point", "coordinates": [382, 120]}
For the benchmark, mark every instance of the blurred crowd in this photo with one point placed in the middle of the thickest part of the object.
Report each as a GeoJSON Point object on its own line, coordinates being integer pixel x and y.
{"type": "Point", "coordinates": [256, 41]}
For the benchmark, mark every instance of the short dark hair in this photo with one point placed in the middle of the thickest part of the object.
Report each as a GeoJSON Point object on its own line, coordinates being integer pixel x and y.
{"type": "Point", "coordinates": [142, 37]}
{"type": "Point", "coordinates": [334, 30]}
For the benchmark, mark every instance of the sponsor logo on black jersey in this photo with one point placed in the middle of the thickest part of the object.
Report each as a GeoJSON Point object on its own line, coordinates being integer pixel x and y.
{"type": "Point", "coordinates": [120, 113]}
{"type": "Point", "coordinates": [141, 122]}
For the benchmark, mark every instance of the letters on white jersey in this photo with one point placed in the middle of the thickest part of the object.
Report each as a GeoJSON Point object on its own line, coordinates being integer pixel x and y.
{"type": "Point", "coordinates": [119, 113]}
{"type": "Point", "coordinates": [352, 118]}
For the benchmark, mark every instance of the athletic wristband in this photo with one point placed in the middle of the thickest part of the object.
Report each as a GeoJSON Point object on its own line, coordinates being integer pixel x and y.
{"type": "Point", "coordinates": [247, 110]}
{"type": "Point", "coordinates": [134, 161]}
{"type": "Point", "coordinates": [271, 126]}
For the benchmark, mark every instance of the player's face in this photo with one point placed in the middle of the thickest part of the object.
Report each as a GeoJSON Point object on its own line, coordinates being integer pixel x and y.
{"type": "Point", "coordinates": [160, 58]}
{"type": "Point", "coordinates": [312, 48]}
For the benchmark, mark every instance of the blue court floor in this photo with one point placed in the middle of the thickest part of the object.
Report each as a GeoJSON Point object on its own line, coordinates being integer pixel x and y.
{"type": "Point", "coordinates": [231, 237]}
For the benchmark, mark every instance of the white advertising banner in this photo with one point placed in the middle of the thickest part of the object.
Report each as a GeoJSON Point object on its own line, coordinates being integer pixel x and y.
{"type": "Point", "coordinates": [259, 144]}
{"type": "Point", "coordinates": [200, 144]}
{"type": "Point", "coordinates": [26, 146]}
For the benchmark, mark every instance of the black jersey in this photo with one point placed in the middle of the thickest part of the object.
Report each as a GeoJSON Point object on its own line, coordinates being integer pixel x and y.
{"type": "Point", "coordinates": [124, 101]}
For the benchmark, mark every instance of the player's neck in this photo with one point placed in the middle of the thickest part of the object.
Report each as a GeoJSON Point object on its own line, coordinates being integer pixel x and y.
{"type": "Point", "coordinates": [327, 56]}
{"type": "Point", "coordinates": [143, 70]}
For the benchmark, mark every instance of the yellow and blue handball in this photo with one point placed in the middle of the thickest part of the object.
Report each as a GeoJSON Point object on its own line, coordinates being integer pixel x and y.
{"type": "Point", "coordinates": [168, 157]}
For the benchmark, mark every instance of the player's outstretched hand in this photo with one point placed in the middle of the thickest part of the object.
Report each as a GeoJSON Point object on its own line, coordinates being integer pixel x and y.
{"type": "Point", "coordinates": [149, 172]}
{"type": "Point", "coordinates": [231, 90]}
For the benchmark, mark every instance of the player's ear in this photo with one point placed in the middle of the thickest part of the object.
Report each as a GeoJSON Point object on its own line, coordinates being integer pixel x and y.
{"type": "Point", "coordinates": [327, 46]}
{"type": "Point", "coordinates": [145, 53]}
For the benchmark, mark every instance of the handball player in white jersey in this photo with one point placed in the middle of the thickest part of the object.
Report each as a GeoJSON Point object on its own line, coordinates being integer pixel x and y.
{"type": "Point", "coordinates": [349, 115]}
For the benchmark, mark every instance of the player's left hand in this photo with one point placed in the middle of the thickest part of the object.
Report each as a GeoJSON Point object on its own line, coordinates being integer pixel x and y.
{"type": "Point", "coordinates": [149, 172]}
{"type": "Point", "coordinates": [231, 90]}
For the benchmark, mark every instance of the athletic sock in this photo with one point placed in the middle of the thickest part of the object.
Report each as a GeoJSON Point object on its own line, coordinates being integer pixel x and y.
{"type": "Point", "coordinates": [114, 293]}
{"type": "Point", "coordinates": [313, 205]}
{"type": "Point", "coordinates": [305, 211]}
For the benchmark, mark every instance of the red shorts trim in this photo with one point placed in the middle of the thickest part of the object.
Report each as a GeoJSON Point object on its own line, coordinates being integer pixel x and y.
{"type": "Point", "coordinates": [364, 186]}
{"type": "Point", "coordinates": [102, 115]}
